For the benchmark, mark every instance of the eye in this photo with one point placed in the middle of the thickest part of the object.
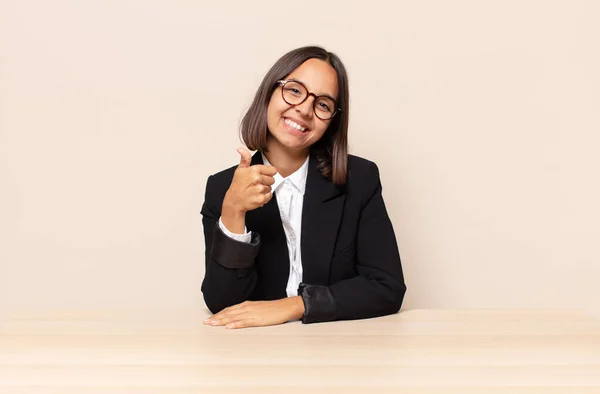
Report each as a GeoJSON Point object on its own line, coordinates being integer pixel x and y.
{"type": "Point", "coordinates": [324, 106]}
{"type": "Point", "coordinates": [293, 91]}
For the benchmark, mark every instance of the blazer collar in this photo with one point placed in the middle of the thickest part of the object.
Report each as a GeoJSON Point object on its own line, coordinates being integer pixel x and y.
{"type": "Point", "coordinates": [321, 219]}
{"type": "Point", "coordinates": [317, 186]}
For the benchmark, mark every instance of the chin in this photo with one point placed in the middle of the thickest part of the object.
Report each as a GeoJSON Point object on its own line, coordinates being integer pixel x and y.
{"type": "Point", "coordinates": [296, 142]}
{"type": "Point", "coordinates": [295, 147]}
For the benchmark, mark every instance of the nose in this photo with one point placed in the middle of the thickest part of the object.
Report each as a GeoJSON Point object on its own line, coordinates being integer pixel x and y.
{"type": "Point", "coordinates": [306, 108]}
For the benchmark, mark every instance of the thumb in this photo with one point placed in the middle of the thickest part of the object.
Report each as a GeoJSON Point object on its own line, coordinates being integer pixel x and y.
{"type": "Point", "coordinates": [245, 157]}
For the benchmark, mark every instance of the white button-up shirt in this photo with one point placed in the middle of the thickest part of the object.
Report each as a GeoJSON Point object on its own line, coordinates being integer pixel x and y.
{"type": "Point", "coordinates": [290, 197]}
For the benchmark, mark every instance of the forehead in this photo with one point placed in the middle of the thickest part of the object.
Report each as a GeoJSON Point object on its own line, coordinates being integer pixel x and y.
{"type": "Point", "coordinates": [318, 76]}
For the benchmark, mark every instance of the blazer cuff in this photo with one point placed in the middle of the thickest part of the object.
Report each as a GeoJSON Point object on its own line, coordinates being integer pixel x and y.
{"type": "Point", "coordinates": [233, 254]}
{"type": "Point", "coordinates": [319, 304]}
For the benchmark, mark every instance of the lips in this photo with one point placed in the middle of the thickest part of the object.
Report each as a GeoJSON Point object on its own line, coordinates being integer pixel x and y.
{"type": "Point", "coordinates": [295, 125]}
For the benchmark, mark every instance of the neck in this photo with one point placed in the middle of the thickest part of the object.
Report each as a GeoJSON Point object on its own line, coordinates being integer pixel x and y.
{"type": "Point", "coordinates": [284, 161]}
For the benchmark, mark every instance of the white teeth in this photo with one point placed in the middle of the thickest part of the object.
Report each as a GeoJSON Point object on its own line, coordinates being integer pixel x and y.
{"type": "Point", "coordinates": [294, 125]}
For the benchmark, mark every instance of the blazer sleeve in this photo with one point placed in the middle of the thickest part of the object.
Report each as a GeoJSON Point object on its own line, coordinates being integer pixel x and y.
{"type": "Point", "coordinates": [230, 275]}
{"type": "Point", "coordinates": [379, 287]}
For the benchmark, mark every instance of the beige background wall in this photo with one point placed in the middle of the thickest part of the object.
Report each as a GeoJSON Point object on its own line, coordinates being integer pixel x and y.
{"type": "Point", "coordinates": [482, 115]}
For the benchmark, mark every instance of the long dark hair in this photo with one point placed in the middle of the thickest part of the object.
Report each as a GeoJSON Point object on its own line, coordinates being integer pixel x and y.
{"type": "Point", "coordinates": [331, 151]}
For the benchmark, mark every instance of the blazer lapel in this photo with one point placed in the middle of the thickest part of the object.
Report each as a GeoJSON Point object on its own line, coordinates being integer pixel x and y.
{"type": "Point", "coordinates": [273, 260]}
{"type": "Point", "coordinates": [321, 217]}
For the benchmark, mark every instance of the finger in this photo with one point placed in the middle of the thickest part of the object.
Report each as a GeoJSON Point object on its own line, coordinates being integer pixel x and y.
{"type": "Point", "coordinates": [245, 157]}
{"type": "Point", "coordinates": [232, 315]}
{"type": "Point", "coordinates": [220, 315]}
{"type": "Point", "coordinates": [268, 197]}
{"type": "Point", "coordinates": [241, 324]}
{"type": "Point", "coordinates": [259, 179]}
{"type": "Point", "coordinates": [261, 189]}
{"type": "Point", "coordinates": [267, 180]}
{"type": "Point", "coordinates": [256, 179]}
{"type": "Point", "coordinates": [262, 199]}
{"type": "Point", "coordinates": [230, 319]}
{"type": "Point", "coordinates": [226, 311]}
{"type": "Point", "coordinates": [265, 170]}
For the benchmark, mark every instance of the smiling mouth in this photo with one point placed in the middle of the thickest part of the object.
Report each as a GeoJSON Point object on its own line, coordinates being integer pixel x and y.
{"type": "Point", "coordinates": [294, 125]}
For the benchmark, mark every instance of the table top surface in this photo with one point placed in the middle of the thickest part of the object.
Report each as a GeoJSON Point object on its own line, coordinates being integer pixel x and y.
{"type": "Point", "coordinates": [414, 351]}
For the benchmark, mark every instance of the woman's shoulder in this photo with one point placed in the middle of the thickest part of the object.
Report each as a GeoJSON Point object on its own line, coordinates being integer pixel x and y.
{"type": "Point", "coordinates": [219, 182]}
{"type": "Point", "coordinates": [226, 174]}
{"type": "Point", "coordinates": [362, 179]}
{"type": "Point", "coordinates": [362, 170]}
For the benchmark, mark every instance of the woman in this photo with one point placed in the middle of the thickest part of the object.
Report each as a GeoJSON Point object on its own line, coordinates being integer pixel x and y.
{"type": "Point", "coordinates": [300, 229]}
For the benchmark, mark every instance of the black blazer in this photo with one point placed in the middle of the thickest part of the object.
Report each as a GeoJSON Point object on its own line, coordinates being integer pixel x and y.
{"type": "Point", "coordinates": [350, 259]}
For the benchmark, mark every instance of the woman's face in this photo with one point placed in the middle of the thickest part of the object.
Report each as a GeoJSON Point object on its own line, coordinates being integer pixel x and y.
{"type": "Point", "coordinates": [295, 127]}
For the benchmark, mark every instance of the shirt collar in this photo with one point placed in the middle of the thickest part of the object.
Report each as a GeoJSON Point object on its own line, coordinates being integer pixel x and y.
{"type": "Point", "coordinates": [298, 178]}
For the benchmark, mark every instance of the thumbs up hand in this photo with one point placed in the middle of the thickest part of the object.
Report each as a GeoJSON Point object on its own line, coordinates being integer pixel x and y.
{"type": "Point", "coordinates": [249, 189]}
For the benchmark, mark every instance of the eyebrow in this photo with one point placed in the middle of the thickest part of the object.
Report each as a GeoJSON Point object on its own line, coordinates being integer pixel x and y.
{"type": "Point", "coordinates": [318, 95]}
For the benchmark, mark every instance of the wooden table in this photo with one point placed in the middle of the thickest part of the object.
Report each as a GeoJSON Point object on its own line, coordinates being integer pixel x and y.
{"type": "Point", "coordinates": [415, 351]}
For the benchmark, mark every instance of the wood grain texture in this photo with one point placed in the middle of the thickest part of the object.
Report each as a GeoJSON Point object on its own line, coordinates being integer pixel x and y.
{"type": "Point", "coordinates": [415, 351]}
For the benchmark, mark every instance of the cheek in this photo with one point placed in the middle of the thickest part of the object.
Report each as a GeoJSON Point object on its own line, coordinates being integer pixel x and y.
{"type": "Point", "coordinates": [321, 128]}
{"type": "Point", "coordinates": [272, 116]}
{"type": "Point", "coordinates": [274, 110]}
